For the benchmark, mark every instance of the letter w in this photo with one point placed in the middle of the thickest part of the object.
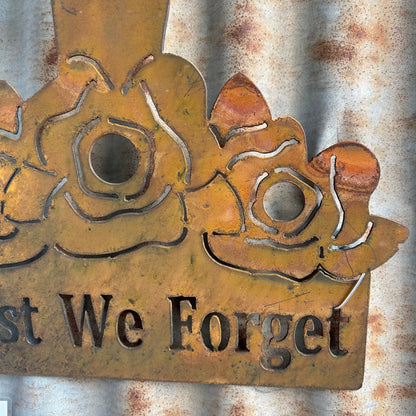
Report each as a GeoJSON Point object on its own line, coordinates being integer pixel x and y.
{"type": "Point", "coordinates": [87, 308]}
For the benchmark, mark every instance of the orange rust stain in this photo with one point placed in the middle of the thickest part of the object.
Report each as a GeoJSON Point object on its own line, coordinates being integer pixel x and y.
{"type": "Point", "coordinates": [404, 392]}
{"type": "Point", "coordinates": [394, 392]}
{"type": "Point", "coordinates": [239, 409]}
{"type": "Point", "coordinates": [357, 32]}
{"type": "Point", "coordinates": [406, 342]}
{"type": "Point", "coordinates": [376, 352]}
{"type": "Point", "coordinates": [138, 401]}
{"type": "Point", "coordinates": [354, 120]}
{"type": "Point", "coordinates": [376, 34]}
{"type": "Point", "coordinates": [182, 32]}
{"type": "Point", "coordinates": [242, 33]}
{"type": "Point", "coordinates": [240, 7]}
{"type": "Point", "coordinates": [51, 57]}
{"type": "Point", "coordinates": [349, 401]}
{"type": "Point", "coordinates": [333, 51]}
{"type": "Point", "coordinates": [377, 323]}
{"type": "Point", "coordinates": [380, 391]}
{"type": "Point", "coordinates": [301, 409]}
{"type": "Point", "coordinates": [50, 62]}
{"type": "Point", "coordinates": [409, 123]}
{"type": "Point", "coordinates": [379, 34]}
{"type": "Point", "coordinates": [246, 31]}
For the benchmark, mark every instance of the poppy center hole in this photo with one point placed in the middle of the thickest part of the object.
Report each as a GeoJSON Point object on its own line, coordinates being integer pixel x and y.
{"type": "Point", "coordinates": [283, 201]}
{"type": "Point", "coordinates": [114, 158]}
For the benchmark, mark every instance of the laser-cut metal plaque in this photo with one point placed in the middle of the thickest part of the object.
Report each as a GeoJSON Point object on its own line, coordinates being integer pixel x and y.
{"type": "Point", "coordinates": [140, 239]}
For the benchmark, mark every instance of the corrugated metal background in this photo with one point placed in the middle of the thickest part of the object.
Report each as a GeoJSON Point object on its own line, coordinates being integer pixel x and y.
{"type": "Point", "coordinates": [346, 69]}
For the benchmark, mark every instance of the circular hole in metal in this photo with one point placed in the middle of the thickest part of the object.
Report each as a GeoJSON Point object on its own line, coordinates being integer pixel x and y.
{"type": "Point", "coordinates": [283, 201]}
{"type": "Point", "coordinates": [114, 158]}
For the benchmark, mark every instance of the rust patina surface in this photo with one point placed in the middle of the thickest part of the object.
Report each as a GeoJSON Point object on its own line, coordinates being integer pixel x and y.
{"type": "Point", "coordinates": [184, 262]}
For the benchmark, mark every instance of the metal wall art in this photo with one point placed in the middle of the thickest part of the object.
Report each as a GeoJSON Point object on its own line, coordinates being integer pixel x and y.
{"type": "Point", "coordinates": [142, 239]}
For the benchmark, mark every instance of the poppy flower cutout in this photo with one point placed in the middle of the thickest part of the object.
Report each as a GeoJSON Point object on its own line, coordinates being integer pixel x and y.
{"type": "Point", "coordinates": [22, 240]}
{"type": "Point", "coordinates": [122, 131]}
{"type": "Point", "coordinates": [127, 145]}
{"type": "Point", "coordinates": [299, 217]}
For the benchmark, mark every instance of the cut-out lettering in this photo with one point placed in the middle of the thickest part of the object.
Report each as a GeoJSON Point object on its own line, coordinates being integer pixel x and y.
{"type": "Point", "coordinates": [243, 320]}
{"type": "Point", "coordinates": [317, 331]}
{"type": "Point", "coordinates": [134, 326]}
{"type": "Point", "coordinates": [27, 311]}
{"type": "Point", "coordinates": [75, 330]}
{"type": "Point", "coordinates": [275, 359]}
{"type": "Point", "coordinates": [224, 330]}
{"type": "Point", "coordinates": [176, 320]}
{"type": "Point", "coordinates": [8, 325]}
{"type": "Point", "coordinates": [336, 320]}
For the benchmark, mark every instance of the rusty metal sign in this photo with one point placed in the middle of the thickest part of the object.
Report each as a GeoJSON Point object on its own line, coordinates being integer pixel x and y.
{"type": "Point", "coordinates": [142, 239]}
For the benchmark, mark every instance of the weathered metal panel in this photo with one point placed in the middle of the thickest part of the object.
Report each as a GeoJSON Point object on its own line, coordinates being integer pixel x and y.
{"type": "Point", "coordinates": [346, 71]}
